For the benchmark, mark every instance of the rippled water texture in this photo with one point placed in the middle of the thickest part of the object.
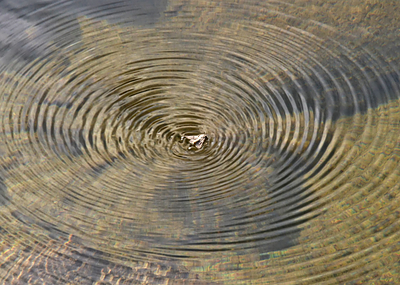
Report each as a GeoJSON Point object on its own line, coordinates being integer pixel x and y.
{"type": "Point", "coordinates": [199, 142]}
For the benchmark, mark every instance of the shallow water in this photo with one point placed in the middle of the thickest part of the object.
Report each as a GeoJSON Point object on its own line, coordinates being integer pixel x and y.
{"type": "Point", "coordinates": [103, 178]}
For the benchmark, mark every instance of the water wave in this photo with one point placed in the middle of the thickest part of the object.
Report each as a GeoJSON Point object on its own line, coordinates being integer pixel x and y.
{"type": "Point", "coordinates": [225, 143]}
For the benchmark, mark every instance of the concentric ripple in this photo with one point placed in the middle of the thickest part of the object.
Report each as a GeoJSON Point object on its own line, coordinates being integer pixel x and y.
{"type": "Point", "coordinates": [102, 179]}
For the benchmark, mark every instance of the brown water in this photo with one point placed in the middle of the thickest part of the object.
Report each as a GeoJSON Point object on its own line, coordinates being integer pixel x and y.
{"type": "Point", "coordinates": [199, 142]}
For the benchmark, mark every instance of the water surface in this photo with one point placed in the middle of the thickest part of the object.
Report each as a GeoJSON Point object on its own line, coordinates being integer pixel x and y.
{"type": "Point", "coordinates": [295, 182]}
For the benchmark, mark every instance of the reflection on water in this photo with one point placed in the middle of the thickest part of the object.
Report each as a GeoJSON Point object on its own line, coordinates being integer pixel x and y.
{"type": "Point", "coordinates": [199, 142]}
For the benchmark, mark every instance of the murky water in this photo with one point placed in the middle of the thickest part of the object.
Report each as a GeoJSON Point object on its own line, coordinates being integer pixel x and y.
{"type": "Point", "coordinates": [199, 142]}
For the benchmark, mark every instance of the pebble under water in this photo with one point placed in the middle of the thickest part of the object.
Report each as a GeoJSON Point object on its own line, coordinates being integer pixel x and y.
{"type": "Point", "coordinates": [195, 142]}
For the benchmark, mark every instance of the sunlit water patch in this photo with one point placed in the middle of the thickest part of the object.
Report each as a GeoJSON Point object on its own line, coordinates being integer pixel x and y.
{"type": "Point", "coordinates": [212, 142]}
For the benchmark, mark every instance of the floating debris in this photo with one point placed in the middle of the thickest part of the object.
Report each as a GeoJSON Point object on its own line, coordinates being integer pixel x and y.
{"type": "Point", "coordinates": [197, 141]}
